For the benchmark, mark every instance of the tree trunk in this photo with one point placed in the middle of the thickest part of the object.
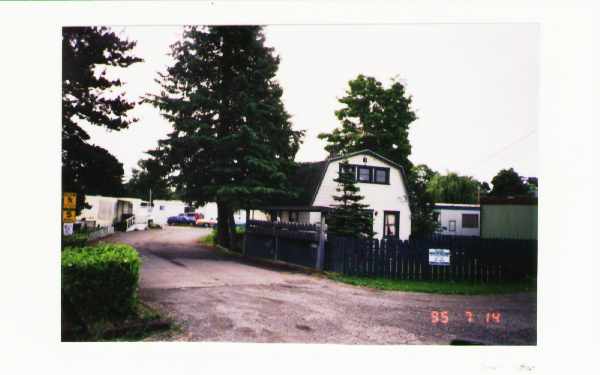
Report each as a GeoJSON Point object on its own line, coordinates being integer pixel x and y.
{"type": "Point", "coordinates": [223, 225]}
{"type": "Point", "coordinates": [231, 230]}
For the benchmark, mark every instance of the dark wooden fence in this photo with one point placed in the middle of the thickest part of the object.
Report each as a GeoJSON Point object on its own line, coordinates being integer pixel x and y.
{"type": "Point", "coordinates": [471, 259]}
{"type": "Point", "coordinates": [288, 242]}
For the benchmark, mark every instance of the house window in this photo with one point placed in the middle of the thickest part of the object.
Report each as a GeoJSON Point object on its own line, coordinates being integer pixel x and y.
{"type": "Point", "coordinates": [470, 221]}
{"type": "Point", "coordinates": [349, 169]}
{"type": "Point", "coordinates": [391, 224]}
{"type": "Point", "coordinates": [382, 176]}
{"type": "Point", "coordinates": [162, 208]}
{"type": "Point", "coordinates": [293, 217]}
{"type": "Point", "coordinates": [437, 217]}
{"type": "Point", "coordinates": [452, 226]}
{"type": "Point", "coordinates": [364, 174]}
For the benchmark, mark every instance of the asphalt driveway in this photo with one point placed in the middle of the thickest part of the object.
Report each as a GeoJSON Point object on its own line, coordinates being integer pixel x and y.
{"type": "Point", "coordinates": [217, 298]}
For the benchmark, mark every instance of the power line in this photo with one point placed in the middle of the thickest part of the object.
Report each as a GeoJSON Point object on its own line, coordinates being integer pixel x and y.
{"type": "Point", "coordinates": [493, 155]}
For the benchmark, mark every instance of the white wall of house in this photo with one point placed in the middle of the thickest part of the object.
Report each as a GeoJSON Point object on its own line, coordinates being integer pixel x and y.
{"type": "Point", "coordinates": [451, 221]}
{"type": "Point", "coordinates": [379, 197]}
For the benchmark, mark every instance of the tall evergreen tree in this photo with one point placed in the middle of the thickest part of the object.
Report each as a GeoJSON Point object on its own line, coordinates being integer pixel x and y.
{"type": "Point", "coordinates": [233, 142]}
{"type": "Point", "coordinates": [88, 95]}
{"type": "Point", "coordinates": [350, 217]}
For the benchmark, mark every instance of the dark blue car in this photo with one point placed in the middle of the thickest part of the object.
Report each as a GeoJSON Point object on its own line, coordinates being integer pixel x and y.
{"type": "Point", "coordinates": [185, 219]}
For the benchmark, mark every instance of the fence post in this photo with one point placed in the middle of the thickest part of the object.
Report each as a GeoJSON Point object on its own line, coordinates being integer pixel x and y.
{"type": "Point", "coordinates": [321, 248]}
{"type": "Point", "coordinates": [245, 231]}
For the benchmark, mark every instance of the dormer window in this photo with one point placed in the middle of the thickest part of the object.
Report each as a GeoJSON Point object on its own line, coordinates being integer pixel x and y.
{"type": "Point", "coordinates": [364, 174]}
{"type": "Point", "coordinates": [367, 174]}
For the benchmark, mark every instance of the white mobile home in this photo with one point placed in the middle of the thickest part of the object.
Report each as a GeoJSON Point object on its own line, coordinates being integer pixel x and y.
{"type": "Point", "coordinates": [381, 181]}
{"type": "Point", "coordinates": [458, 219]}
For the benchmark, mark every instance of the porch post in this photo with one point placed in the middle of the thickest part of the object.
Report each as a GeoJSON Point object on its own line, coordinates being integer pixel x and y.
{"type": "Point", "coordinates": [321, 248]}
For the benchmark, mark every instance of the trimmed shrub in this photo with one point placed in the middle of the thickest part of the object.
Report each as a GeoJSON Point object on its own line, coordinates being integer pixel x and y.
{"type": "Point", "coordinates": [100, 282]}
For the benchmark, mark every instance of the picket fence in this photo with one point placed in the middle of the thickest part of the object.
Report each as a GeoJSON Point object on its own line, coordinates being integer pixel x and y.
{"type": "Point", "coordinates": [471, 259]}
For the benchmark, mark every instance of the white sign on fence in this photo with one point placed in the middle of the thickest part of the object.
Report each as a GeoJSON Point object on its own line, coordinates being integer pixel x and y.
{"type": "Point", "coordinates": [68, 229]}
{"type": "Point", "coordinates": [439, 257]}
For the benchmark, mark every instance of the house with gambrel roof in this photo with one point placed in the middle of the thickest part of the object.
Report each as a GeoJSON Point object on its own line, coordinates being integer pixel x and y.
{"type": "Point", "coordinates": [382, 182]}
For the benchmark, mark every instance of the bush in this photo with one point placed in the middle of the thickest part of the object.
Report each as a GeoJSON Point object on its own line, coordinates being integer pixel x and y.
{"type": "Point", "coordinates": [75, 240]}
{"type": "Point", "coordinates": [100, 282]}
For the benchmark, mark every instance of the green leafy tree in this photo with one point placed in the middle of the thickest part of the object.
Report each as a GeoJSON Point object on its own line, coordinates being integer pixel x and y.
{"type": "Point", "coordinates": [150, 175]}
{"type": "Point", "coordinates": [423, 222]}
{"type": "Point", "coordinates": [88, 94]}
{"type": "Point", "coordinates": [378, 118]}
{"type": "Point", "coordinates": [508, 183]}
{"type": "Point", "coordinates": [484, 188]}
{"type": "Point", "coordinates": [452, 188]}
{"type": "Point", "coordinates": [350, 217]}
{"type": "Point", "coordinates": [232, 141]}
{"type": "Point", "coordinates": [373, 117]}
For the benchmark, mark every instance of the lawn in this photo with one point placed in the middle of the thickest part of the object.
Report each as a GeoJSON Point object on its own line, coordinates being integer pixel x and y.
{"type": "Point", "coordinates": [437, 287]}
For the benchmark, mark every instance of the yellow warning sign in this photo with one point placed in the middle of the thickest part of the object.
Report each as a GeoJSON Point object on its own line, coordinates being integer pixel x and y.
{"type": "Point", "coordinates": [69, 216]}
{"type": "Point", "coordinates": [69, 200]}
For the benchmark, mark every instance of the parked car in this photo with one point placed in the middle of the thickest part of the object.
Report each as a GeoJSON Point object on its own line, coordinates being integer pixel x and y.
{"type": "Point", "coordinates": [186, 219]}
{"type": "Point", "coordinates": [203, 221]}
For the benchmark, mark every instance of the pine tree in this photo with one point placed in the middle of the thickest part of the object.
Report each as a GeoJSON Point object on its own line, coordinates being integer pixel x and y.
{"type": "Point", "coordinates": [88, 95]}
{"type": "Point", "coordinates": [233, 142]}
{"type": "Point", "coordinates": [350, 217]}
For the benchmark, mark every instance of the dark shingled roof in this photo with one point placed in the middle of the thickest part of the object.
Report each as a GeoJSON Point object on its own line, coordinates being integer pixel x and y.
{"type": "Point", "coordinates": [305, 181]}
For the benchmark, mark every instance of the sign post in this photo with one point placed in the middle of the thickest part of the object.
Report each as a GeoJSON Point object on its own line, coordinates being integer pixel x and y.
{"type": "Point", "coordinates": [69, 214]}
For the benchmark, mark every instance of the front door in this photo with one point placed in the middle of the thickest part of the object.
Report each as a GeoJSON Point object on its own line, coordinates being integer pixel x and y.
{"type": "Point", "coordinates": [391, 224]}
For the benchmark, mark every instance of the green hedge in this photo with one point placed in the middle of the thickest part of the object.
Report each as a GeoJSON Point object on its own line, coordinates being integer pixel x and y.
{"type": "Point", "coordinates": [75, 240]}
{"type": "Point", "coordinates": [100, 282]}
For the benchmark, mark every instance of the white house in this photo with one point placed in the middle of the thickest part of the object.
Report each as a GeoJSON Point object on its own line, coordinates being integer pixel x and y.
{"type": "Point", "coordinates": [381, 181]}
{"type": "Point", "coordinates": [458, 219]}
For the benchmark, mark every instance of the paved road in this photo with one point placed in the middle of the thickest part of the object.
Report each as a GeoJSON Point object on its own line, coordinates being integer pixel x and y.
{"type": "Point", "coordinates": [218, 298]}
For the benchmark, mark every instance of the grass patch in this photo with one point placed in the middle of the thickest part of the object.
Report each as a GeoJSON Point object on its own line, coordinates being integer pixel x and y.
{"type": "Point", "coordinates": [437, 287]}
{"type": "Point", "coordinates": [211, 238]}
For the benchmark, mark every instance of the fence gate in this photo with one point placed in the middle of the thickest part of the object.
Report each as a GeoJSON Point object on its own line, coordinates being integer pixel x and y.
{"type": "Point", "coordinates": [287, 242]}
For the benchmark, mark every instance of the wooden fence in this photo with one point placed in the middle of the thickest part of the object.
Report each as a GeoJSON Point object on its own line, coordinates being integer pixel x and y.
{"type": "Point", "coordinates": [287, 242]}
{"type": "Point", "coordinates": [471, 259]}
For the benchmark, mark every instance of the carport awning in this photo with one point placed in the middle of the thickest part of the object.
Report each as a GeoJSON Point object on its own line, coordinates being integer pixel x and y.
{"type": "Point", "coordinates": [296, 208]}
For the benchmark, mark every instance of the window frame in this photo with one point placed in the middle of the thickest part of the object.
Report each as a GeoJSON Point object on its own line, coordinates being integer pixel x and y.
{"type": "Point", "coordinates": [387, 175]}
{"type": "Point", "coordinates": [370, 169]}
{"type": "Point", "coordinates": [476, 221]}
{"type": "Point", "coordinates": [450, 222]}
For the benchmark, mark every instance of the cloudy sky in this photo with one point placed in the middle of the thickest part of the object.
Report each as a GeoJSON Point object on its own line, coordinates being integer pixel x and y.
{"type": "Point", "coordinates": [475, 89]}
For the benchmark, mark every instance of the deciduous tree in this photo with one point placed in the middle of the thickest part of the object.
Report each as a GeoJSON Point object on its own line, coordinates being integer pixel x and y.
{"type": "Point", "coordinates": [452, 188]}
{"type": "Point", "coordinates": [508, 183]}
{"type": "Point", "coordinates": [378, 118]}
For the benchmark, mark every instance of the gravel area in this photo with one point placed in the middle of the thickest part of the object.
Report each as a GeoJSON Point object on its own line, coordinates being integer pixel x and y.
{"type": "Point", "coordinates": [217, 298]}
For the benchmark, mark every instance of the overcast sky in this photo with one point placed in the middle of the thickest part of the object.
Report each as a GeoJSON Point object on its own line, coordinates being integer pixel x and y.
{"type": "Point", "coordinates": [475, 89]}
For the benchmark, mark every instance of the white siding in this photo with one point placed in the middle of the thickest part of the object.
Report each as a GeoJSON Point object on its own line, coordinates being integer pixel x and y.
{"type": "Point", "coordinates": [380, 198]}
{"type": "Point", "coordinates": [447, 215]}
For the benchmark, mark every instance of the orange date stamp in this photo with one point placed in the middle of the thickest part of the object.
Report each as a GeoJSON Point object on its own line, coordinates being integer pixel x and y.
{"type": "Point", "coordinates": [442, 317]}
